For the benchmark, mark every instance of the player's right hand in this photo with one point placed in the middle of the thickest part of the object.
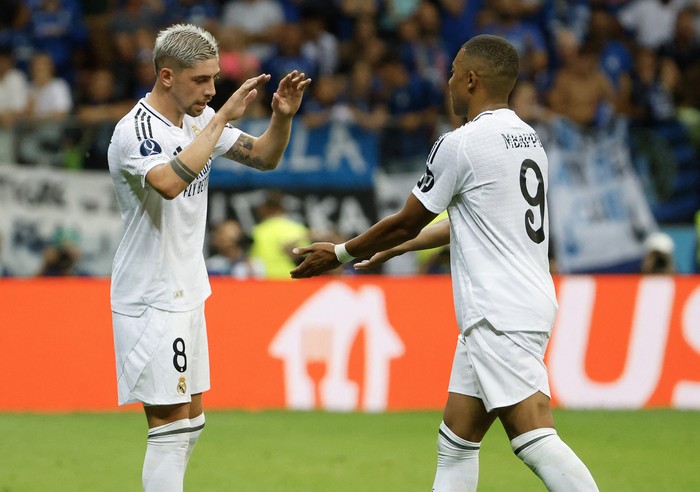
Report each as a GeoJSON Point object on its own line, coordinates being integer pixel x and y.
{"type": "Point", "coordinates": [236, 105]}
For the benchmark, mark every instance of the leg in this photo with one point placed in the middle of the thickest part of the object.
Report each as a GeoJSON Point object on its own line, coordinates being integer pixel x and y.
{"type": "Point", "coordinates": [465, 422]}
{"type": "Point", "coordinates": [166, 450]}
{"type": "Point", "coordinates": [530, 427]}
{"type": "Point", "coordinates": [196, 422]}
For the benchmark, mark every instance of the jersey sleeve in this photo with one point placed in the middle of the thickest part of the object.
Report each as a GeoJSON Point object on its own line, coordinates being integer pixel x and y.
{"type": "Point", "coordinates": [443, 177]}
{"type": "Point", "coordinates": [227, 139]}
{"type": "Point", "coordinates": [140, 155]}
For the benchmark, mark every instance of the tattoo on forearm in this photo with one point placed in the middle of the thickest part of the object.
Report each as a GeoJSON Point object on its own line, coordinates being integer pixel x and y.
{"type": "Point", "coordinates": [210, 134]}
{"type": "Point", "coordinates": [185, 173]}
{"type": "Point", "coordinates": [240, 152]}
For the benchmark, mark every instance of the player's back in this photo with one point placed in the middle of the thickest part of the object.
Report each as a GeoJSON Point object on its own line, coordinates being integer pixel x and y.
{"type": "Point", "coordinates": [500, 217]}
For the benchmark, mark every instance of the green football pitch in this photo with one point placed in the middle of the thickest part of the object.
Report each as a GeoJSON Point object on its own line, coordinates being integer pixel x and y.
{"type": "Point", "coordinates": [652, 450]}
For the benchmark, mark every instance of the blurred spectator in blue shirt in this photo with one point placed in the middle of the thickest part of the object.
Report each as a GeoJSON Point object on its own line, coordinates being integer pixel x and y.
{"type": "Point", "coordinates": [615, 59]}
{"type": "Point", "coordinates": [653, 86]}
{"type": "Point", "coordinates": [459, 22]}
{"type": "Point", "coordinates": [421, 46]}
{"type": "Point", "coordinates": [526, 37]}
{"type": "Point", "coordinates": [413, 105]}
{"type": "Point", "coordinates": [56, 27]}
{"type": "Point", "coordinates": [289, 56]}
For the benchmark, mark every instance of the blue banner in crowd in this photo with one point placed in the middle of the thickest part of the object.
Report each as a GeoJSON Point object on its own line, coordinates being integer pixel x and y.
{"type": "Point", "coordinates": [333, 156]}
{"type": "Point", "coordinates": [599, 216]}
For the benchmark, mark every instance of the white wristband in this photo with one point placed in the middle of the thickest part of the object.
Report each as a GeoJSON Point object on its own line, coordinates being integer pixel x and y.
{"type": "Point", "coordinates": [342, 254]}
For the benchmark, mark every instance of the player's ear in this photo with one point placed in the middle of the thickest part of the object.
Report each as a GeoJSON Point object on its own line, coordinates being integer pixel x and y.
{"type": "Point", "coordinates": [166, 76]}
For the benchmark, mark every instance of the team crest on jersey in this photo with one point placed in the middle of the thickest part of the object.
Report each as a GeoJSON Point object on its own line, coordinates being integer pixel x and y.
{"type": "Point", "coordinates": [196, 130]}
{"type": "Point", "coordinates": [426, 182]}
{"type": "Point", "coordinates": [182, 386]}
{"type": "Point", "coordinates": [150, 147]}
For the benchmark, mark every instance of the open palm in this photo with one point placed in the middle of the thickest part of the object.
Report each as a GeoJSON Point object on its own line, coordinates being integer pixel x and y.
{"type": "Point", "coordinates": [287, 99]}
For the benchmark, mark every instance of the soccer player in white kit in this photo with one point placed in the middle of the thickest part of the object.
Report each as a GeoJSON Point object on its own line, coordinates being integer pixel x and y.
{"type": "Point", "coordinates": [160, 158]}
{"type": "Point", "coordinates": [491, 176]}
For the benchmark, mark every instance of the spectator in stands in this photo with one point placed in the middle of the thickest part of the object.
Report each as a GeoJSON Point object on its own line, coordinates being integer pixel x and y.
{"type": "Point", "coordinates": [689, 104]}
{"type": "Point", "coordinates": [57, 28]}
{"type": "Point", "coordinates": [525, 101]}
{"type": "Point", "coordinates": [395, 12]}
{"type": "Point", "coordinates": [364, 44]}
{"type": "Point", "coordinates": [653, 85]}
{"type": "Point", "coordinates": [230, 246]}
{"type": "Point", "coordinates": [684, 48]}
{"type": "Point", "coordinates": [651, 22]}
{"type": "Point", "coordinates": [658, 257]}
{"type": "Point", "coordinates": [260, 21]}
{"type": "Point", "coordinates": [14, 99]}
{"type": "Point", "coordinates": [237, 65]}
{"type": "Point", "coordinates": [62, 255]}
{"type": "Point", "coordinates": [98, 109]}
{"type": "Point", "coordinates": [421, 46]}
{"type": "Point", "coordinates": [527, 38]}
{"type": "Point", "coordinates": [581, 92]}
{"type": "Point", "coordinates": [615, 58]}
{"type": "Point", "coordinates": [458, 22]}
{"type": "Point", "coordinates": [49, 96]}
{"type": "Point", "coordinates": [367, 110]}
{"type": "Point", "coordinates": [202, 13]}
{"type": "Point", "coordinates": [275, 236]}
{"type": "Point", "coordinates": [324, 105]}
{"type": "Point", "coordinates": [413, 105]}
{"type": "Point", "coordinates": [352, 11]}
{"type": "Point", "coordinates": [319, 44]}
{"type": "Point", "coordinates": [289, 56]}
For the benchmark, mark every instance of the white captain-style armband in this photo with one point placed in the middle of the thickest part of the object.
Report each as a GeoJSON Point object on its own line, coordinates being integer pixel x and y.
{"type": "Point", "coordinates": [342, 254]}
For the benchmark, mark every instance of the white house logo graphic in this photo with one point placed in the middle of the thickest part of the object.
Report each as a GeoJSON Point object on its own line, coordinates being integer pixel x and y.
{"type": "Point", "coordinates": [323, 330]}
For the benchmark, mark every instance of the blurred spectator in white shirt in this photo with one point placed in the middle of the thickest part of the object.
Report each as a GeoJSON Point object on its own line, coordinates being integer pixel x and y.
{"type": "Point", "coordinates": [260, 21]}
{"type": "Point", "coordinates": [49, 96]}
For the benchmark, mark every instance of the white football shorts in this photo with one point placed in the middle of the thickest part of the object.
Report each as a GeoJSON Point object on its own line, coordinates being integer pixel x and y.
{"type": "Point", "coordinates": [499, 368]}
{"type": "Point", "coordinates": [162, 356]}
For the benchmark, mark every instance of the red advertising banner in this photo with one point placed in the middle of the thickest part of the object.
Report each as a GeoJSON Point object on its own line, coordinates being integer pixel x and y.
{"type": "Point", "coordinates": [365, 343]}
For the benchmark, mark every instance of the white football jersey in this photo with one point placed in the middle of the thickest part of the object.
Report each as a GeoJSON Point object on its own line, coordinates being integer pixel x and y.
{"type": "Point", "coordinates": [491, 176]}
{"type": "Point", "coordinates": [160, 259]}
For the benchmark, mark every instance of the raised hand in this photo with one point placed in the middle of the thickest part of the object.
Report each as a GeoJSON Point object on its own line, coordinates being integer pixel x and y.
{"type": "Point", "coordinates": [321, 258]}
{"type": "Point", "coordinates": [236, 105]}
{"type": "Point", "coordinates": [287, 99]}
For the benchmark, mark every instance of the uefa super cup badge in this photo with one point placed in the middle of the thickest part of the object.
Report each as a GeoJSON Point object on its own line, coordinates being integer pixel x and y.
{"type": "Point", "coordinates": [182, 386]}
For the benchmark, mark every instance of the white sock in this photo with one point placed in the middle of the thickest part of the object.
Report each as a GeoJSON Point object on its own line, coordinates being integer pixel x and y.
{"type": "Point", "coordinates": [196, 428]}
{"type": "Point", "coordinates": [553, 461]}
{"type": "Point", "coordinates": [166, 457]}
{"type": "Point", "coordinates": [457, 463]}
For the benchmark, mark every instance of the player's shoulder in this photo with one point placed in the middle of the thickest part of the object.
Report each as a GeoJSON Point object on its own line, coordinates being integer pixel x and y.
{"type": "Point", "coordinates": [140, 124]}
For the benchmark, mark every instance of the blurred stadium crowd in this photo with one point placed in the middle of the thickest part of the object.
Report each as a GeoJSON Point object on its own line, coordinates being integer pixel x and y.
{"type": "Point", "coordinates": [69, 69]}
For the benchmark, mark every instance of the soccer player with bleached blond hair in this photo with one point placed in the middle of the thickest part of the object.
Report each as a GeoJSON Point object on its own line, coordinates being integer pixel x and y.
{"type": "Point", "coordinates": [160, 158]}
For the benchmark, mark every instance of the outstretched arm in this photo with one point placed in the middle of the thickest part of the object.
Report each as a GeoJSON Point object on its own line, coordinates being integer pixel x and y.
{"type": "Point", "coordinates": [385, 234]}
{"type": "Point", "coordinates": [265, 152]}
{"type": "Point", "coordinates": [432, 236]}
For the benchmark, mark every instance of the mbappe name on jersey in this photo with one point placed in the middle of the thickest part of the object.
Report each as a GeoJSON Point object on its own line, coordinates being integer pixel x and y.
{"type": "Point", "coordinates": [520, 140]}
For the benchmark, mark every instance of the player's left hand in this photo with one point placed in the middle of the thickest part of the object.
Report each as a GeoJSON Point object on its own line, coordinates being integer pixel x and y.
{"type": "Point", "coordinates": [320, 258]}
{"type": "Point", "coordinates": [287, 98]}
